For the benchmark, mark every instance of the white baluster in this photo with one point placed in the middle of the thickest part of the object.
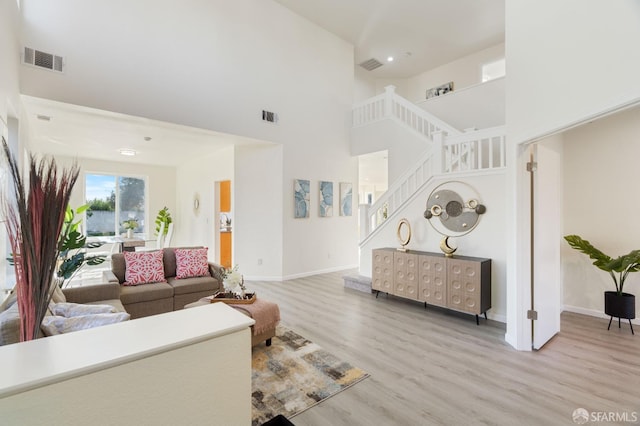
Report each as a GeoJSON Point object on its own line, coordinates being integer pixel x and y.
{"type": "Point", "coordinates": [389, 93]}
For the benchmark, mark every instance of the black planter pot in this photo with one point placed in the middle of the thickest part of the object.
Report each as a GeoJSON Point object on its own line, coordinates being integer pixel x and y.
{"type": "Point", "coordinates": [620, 306]}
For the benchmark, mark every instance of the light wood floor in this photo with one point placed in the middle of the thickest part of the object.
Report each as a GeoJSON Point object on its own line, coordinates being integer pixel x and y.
{"type": "Point", "coordinates": [430, 367]}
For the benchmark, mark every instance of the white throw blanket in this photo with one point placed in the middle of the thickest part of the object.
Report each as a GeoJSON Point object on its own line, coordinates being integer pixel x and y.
{"type": "Point", "coordinates": [69, 310]}
{"type": "Point", "coordinates": [67, 317]}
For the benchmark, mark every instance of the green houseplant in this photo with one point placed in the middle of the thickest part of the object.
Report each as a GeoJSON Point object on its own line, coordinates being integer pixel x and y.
{"type": "Point", "coordinates": [71, 245]}
{"type": "Point", "coordinates": [616, 303]}
{"type": "Point", "coordinates": [130, 224]}
{"type": "Point", "coordinates": [163, 217]}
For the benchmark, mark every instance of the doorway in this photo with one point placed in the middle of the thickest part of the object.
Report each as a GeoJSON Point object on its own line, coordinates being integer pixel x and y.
{"type": "Point", "coordinates": [546, 237]}
{"type": "Point", "coordinates": [372, 176]}
{"type": "Point", "coordinates": [225, 224]}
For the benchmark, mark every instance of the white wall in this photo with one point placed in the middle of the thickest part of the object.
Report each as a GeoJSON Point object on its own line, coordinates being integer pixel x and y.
{"type": "Point", "coordinates": [320, 244]}
{"type": "Point", "coordinates": [9, 109]}
{"type": "Point", "coordinates": [567, 61]}
{"type": "Point", "coordinates": [404, 147]}
{"type": "Point", "coordinates": [600, 205]}
{"type": "Point", "coordinates": [464, 72]}
{"type": "Point", "coordinates": [487, 240]}
{"type": "Point", "coordinates": [259, 217]}
{"type": "Point", "coordinates": [364, 85]}
{"type": "Point", "coordinates": [161, 183]}
{"type": "Point", "coordinates": [479, 106]}
{"type": "Point", "coordinates": [216, 65]}
{"type": "Point", "coordinates": [197, 178]}
{"type": "Point", "coordinates": [10, 54]}
{"type": "Point", "coordinates": [401, 86]}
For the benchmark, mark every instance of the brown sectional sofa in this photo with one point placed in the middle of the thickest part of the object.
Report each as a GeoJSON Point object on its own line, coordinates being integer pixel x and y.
{"type": "Point", "coordinates": [156, 298]}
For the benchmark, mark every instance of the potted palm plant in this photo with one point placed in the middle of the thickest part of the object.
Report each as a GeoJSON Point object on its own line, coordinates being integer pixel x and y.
{"type": "Point", "coordinates": [164, 216]}
{"type": "Point", "coordinates": [616, 303]}
{"type": "Point", "coordinates": [72, 246]}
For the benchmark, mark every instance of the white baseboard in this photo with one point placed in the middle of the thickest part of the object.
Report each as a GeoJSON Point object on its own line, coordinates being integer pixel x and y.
{"type": "Point", "coordinates": [261, 278]}
{"type": "Point", "coordinates": [322, 271]}
{"type": "Point", "coordinates": [497, 317]}
{"type": "Point", "coordinates": [592, 312]}
{"type": "Point", "coordinates": [299, 275]}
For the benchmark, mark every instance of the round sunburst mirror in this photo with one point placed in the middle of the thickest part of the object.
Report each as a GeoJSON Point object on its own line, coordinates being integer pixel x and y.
{"type": "Point", "coordinates": [453, 209]}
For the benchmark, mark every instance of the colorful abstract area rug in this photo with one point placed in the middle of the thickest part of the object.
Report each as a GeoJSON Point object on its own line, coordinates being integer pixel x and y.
{"type": "Point", "coordinates": [294, 374]}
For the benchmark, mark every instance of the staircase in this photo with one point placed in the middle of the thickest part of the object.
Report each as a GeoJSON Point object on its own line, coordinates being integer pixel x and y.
{"type": "Point", "coordinates": [389, 105]}
{"type": "Point", "coordinates": [452, 153]}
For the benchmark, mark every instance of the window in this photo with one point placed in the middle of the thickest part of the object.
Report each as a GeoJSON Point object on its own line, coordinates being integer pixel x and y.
{"type": "Point", "coordinates": [494, 70]}
{"type": "Point", "coordinates": [110, 197]}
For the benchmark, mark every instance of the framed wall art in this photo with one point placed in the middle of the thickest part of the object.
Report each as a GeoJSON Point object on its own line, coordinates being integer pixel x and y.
{"type": "Point", "coordinates": [440, 90]}
{"type": "Point", "coordinates": [325, 199]}
{"type": "Point", "coordinates": [301, 198]}
{"type": "Point", "coordinates": [346, 198]}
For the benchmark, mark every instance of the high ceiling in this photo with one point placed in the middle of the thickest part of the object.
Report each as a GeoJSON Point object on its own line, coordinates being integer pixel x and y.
{"type": "Point", "coordinates": [419, 34]}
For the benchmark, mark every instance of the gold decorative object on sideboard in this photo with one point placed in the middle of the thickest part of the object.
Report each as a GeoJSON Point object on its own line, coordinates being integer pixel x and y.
{"type": "Point", "coordinates": [460, 283]}
{"type": "Point", "coordinates": [404, 240]}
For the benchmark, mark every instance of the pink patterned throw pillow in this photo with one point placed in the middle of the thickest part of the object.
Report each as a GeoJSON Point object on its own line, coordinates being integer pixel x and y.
{"type": "Point", "coordinates": [143, 267]}
{"type": "Point", "coordinates": [191, 263]}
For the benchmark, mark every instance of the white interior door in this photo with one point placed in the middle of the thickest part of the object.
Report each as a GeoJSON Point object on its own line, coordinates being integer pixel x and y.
{"type": "Point", "coordinates": [547, 238]}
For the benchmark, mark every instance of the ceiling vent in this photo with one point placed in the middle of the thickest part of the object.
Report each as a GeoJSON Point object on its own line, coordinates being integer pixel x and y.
{"type": "Point", "coordinates": [41, 59]}
{"type": "Point", "coordinates": [269, 116]}
{"type": "Point", "coordinates": [371, 64]}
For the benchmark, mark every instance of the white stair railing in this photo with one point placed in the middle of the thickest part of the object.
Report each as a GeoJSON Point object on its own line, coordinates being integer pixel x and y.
{"type": "Point", "coordinates": [389, 105]}
{"type": "Point", "coordinates": [475, 151]}
{"type": "Point", "coordinates": [472, 152]}
{"type": "Point", "coordinates": [399, 193]}
{"type": "Point", "coordinates": [369, 111]}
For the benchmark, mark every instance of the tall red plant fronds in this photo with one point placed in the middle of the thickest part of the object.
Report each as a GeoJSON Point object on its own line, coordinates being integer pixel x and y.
{"type": "Point", "coordinates": [35, 212]}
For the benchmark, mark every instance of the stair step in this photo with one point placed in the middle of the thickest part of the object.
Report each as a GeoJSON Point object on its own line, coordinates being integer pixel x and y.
{"type": "Point", "coordinates": [358, 282]}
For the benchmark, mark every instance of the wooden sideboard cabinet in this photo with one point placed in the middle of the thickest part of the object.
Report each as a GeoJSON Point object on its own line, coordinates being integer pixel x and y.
{"type": "Point", "coordinates": [382, 277]}
{"type": "Point", "coordinates": [405, 275]}
{"type": "Point", "coordinates": [459, 283]}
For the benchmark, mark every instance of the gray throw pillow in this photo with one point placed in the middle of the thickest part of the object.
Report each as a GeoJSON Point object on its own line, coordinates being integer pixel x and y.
{"type": "Point", "coordinates": [10, 325]}
{"type": "Point", "coordinates": [9, 301]}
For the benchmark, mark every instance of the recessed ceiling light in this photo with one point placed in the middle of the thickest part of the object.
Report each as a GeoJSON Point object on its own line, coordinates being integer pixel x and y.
{"type": "Point", "coordinates": [43, 117]}
{"type": "Point", "coordinates": [390, 59]}
{"type": "Point", "coordinates": [147, 138]}
{"type": "Point", "coordinates": [128, 152]}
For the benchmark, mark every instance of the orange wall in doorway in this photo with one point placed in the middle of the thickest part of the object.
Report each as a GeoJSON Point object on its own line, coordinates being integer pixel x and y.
{"type": "Point", "coordinates": [225, 249]}
{"type": "Point", "coordinates": [225, 196]}
{"type": "Point", "coordinates": [225, 236]}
